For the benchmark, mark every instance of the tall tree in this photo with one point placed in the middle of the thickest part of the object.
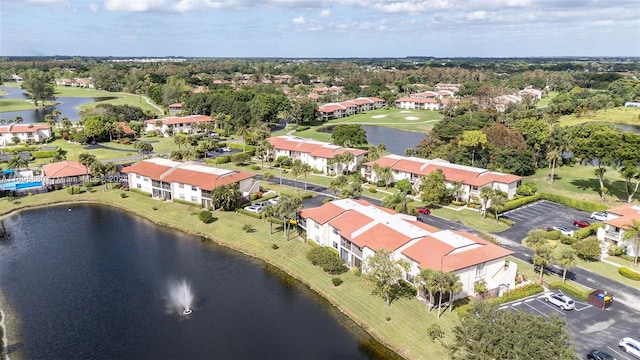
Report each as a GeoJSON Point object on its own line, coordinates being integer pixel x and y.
{"type": "Point", "coordinates": [488, 333]}
{"type": "Point", "coordinates": [553, 156]}
{"type": "Point", "coordinates": [87, 160]}
{"type": "Point", "coordinates": [475, 140]}
{"type": "Point", "coordinates": [385, 273]}
{"type": "Point", "coordinates": [349, 135]}
{"type": "Point", "coordinates": [599, 148]}
{"type": "Point", "coordinates": [288, 208]}
{"type": "Point", "coordinates": [454, 285]}
{"type": "Point", "coordinates": [568, 258]}
{"type": "Point", "coordinates": [143, 147]}
{"type": "Point", "coordinates": [38, 84]}
{"type": "Point", "coordinates": [486, 194]}
{"type": "Point", "coordinates": [433, 189]}
{"type": "Point", "coordinates": [632, 235]}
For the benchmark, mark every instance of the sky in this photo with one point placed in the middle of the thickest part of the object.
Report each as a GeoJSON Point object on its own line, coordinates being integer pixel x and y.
{"type": "Point", "coordinates": [320, 28]}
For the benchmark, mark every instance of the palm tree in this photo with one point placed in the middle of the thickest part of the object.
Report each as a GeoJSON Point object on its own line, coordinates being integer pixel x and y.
{"type": "Point", "coordinates": [553, 156]}
{"type": "Point", "coordinates": [143, 147]}
{"type": "Point", "coordinates": [536, 238]}
{"type": "Point", "coordinates": [49, 120]}
{"type": "Point", "coordinates": [440, 282]}
{"type": "Point", "coordinates": [66, 123]}
{"type": "Point", "coordinates": [542, 257]}
{"type": "Point", "coordinates": [306, 169]}
{"type": "Point", "coordinates": [497, 201]}
{"type": "Point", "coordinates": [18, 119]}
{"type": "Point", "coordinates": [17, 162]}
{"type": "Point", "coordinates": [288, 207]}
{"type": "Point", "coordinates": [263, 150]}
{"type": "Point", "coordinates": [454, 285]}
{"type": "Point", "coordinates": [243, 132]}
{"type": "Point", "coordinates": [180, 140]}
{"type": "Point", "coordinates": [87, 160]}
{"type": "Point", "coordinates": [632, 233]}
{"type": "Point", "coordinates": [568, 258]}
{"type": "Point", "coordinates": [398, 202]}
{"type": "Point", "coordinates": [296, 170]}
{"type": "Point", "coordinates": [56, 113]}
{"type": "Point", "coordinates": [486, 193]}
{"type": "Point", "coordinates": [270, 212]}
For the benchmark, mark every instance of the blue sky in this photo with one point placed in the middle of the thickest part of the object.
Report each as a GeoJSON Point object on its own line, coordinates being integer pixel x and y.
{"type": "Point", "coordinates": [320, 28]}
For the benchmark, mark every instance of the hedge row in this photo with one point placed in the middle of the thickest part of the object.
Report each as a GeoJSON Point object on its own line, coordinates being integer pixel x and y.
{"type": "Point", "coordinates": [574, 292]}
{"type": "Point", "coordinates": [574, 203]}
{"type": "Point", "coordinates": [185, 202]}
{"type": "Point", "coordinates": [518, 293]}
{"type": "Point", "coordinates": [587, 231]}
{"type": "Point", "coordinates": [137, 191]}
{"type": "Point", "coordinates": [249, 213]}
{"type": "Point", "coordinates": [628, 273]}
{"type": "Point", "coordinates": [43, 154]}
{"type": "Point", "coordinates": [237, 146]}
{"type": "Point", "coordinates": [516, 203]}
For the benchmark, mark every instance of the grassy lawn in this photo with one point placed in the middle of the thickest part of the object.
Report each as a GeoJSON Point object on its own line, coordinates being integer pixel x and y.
{"type": "Point", "coordinates": [544, 102]}
{"type": "Point", "coordinates": [402, 326]}
{"type": "Point", "coordinates": [580, 182]}
{"type": "Point", "coordinates": [471, 219]}
{"type": "Point", "coordinates": [619, 115]}
{"type": "Point", "coordinates": [526, 269]}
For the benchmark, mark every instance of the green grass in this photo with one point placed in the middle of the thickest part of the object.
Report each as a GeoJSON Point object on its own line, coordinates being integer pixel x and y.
{"type": "Point", "coordinates": [544, 102]}
{"type": "Point", "coordinates": [619, 115]}
{"type": "Point", "coordinates": [405, 332]}
{"type": "Point", "coordinates": [122, 98]}
{"type": "Point", "coordinates": [472, 219]}
{"type": "Point", "coordinates": [580, 182]}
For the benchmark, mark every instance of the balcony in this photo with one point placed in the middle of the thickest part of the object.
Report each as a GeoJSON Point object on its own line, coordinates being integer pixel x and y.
{"type": "Point", "coordinates": [613, 235]}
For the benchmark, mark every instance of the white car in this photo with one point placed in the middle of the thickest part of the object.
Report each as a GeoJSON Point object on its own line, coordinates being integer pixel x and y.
{"type": "Point", "coordinates": [630, 346]}
{"type": "Point", "coordinates": [254, 208]}
{"type": "Point", "coordinates": [274, 200]}
{"type": "Point", "coordinates": [599, 216]}
{"type": "Point", "coordinates": [226, 149]}
{"type": "Point", "coordinates": [560, 300]}
{"type": "Point", "coordinates": [564, 231]}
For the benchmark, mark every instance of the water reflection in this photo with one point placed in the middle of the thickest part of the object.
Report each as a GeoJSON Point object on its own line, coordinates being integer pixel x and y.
{"type": "Point", "coordinates": [68, 106]}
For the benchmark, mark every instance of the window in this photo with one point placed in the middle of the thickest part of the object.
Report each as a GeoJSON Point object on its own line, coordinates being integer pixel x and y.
{"type": "Point", "coordinates": [410, 278]}
{"type": "Point", "coordinates": [146, 179]}
{"type": "Point", "coordinates": [182, 196]}
{"type": "Point", "coordinates": [335, 244]}
{"type": "Point", "coordinates": [194, 198]}
{"type": "Point", "coordinates": [194, 188]}
{"type": "Point", "coordinates": [481, 270]}
{"type": "Point", "coordinates": [139, 186]}
{"type": "Point", "coordinates": [137, 176]}
{"type": "Point", "coordinates": [335, 231]}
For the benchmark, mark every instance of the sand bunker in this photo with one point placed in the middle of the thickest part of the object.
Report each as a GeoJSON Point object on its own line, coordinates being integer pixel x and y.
{"type": "Point", "coordinates": [405, 111]}
{"type": "Point", "coordinates": [412, 118]}
{"type": "Point", "coordinates": [378, 116]}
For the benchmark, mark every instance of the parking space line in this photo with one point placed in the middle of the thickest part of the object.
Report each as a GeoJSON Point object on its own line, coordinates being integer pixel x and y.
{"type": "Point", "coordinates": [624, 356]}
{"type": "Point", "coordinates": [536, 310]}
{"type": "Point", "coordinates": [552, 307]}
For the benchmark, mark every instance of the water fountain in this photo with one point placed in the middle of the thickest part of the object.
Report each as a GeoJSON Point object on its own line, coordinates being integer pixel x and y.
{"type": "Point", "coordinates": [181, 296]}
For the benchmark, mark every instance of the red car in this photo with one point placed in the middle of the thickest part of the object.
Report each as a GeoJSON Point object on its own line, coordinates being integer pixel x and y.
{"type": "Point", "coordinates": [581, 223]}
{"type": "Point", "coordinates": [423, 210]}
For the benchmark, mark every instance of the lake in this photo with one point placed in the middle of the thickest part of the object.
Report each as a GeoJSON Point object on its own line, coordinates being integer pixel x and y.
{"type": "Point", "coordinates": [397, 141]}
{"type": "Point", "coordinates": [92, 282]}
{"type": "Point", "coordinates": [68, 106]}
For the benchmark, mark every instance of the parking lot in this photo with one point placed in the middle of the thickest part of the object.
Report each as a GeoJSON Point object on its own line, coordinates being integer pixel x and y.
{"type": "Point", "coordinates": [591, 327]}
{"type": "Point", "coordinates": [540, 215]}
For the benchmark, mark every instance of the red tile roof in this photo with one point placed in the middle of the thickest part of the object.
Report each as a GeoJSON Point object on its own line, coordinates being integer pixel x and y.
{"type": "Point", "coordinates": [22, 128]}
{"type": "Point", "coordinates": [126, 128]}
{"type": "Point", "coordinates": [147, 168]}
{"type": "Point", "coordinates": [323, 213]}
{"type": "Point", "coordinates": [171, 120]}
{"type": "Point", "coordinates": [62, 169]}
{"type": "Point", "coordinates": [349, 221]}
{"type": "Point", "coordinates": [626, 213]}
{"type": "Point", "coordinates": [312, 147]}
{"type": "Point", "coordinates": [433, 253]}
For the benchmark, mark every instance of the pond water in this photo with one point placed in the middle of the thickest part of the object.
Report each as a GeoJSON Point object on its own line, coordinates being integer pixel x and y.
{"type": "Point", "coordinates": [92, 282]}
{"type": "Point", "coordinates": [629, 127]}
{"type": "Point", "coordinates": [397, 141]}
{"type": "Point", "coordinates": [68, 106]}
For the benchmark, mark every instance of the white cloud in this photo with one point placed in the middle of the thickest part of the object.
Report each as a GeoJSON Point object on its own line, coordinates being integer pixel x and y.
{"type": "Point", "coordinates": [38, 2]}
{"type": "Point", "coordinates": [476, 15]}
{"type": "Point", "coordinates": [134, 6]}
{"type": "Point", "coordinates": [94, 8]}
{"type": "Point", "coordinates": [299, 20]}
{"type": "Point", "coordinates": [325, 13]}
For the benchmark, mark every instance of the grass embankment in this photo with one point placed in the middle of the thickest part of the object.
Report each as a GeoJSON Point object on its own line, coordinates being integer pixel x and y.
{"type": "Point", "coordinates": [472, 219]}
{"type": "Point", "coordinates": [408, 319]}
{"type": "Point", "coordinates": [618, 115]}
{"type": "Point", "coordinates": [121, 98]}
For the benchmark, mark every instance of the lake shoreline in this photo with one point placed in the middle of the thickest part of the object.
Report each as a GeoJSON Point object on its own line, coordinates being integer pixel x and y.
{"type": "Point", "coordinates": [228, 244]}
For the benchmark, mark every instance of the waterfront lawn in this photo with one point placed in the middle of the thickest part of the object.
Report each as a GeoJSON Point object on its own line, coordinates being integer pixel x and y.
{"type": "Point", "coordinates": [401, 326]}
{"type": "Point", "coordinates": [618, 115]}
{"type": "Point", "coordinates": [580, 182]}
{"type": "Point", "coordinates": [19, 104]}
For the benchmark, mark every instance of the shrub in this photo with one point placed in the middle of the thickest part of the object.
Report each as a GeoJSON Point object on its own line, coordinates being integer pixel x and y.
{"type": "Point", "coordinates": [615, 250]}
{"type": "Point", "coordinates": [326, 200]}
{"type": "Point", "coordinates": [205, 216]}
{"type": "Point", "coordinates": [126, 141]}
{"type": "Point", "coordinates": [516, 203]}
{"type": "Point", "coordinates": [154, 208]}
{"type": "Point", "coordinates": [381, 183]}
{"type": "Point", "coordinates": [567, 240]}
{"type": "Point", "coordinates": [552, 235]}
{"type": "Point", "coordinates": [248, 228]}
{"type": "Point", "coordinates": [326, 258]}
{"type": "Point", "coordinates": [124, 195]}
{"type": "Point", "coordinates": [138, 191]}
{"type": "Point", "coordinates": [373, 190]}
{"type": "Point", "coordinates": [588, 249]}
{"type": "Point", "coordinates": [252, 214]}
{"type": "Point", "coordinates": [43, 154]}
{"type": "Point", "coordinates": [582, 295]}
{"type": "Point", "coordinates": [586, 232]}
{"type": "Point", "coordinates": [255, 167]}
{"type": "Point", "coordinates": [70, 190]}
{"type": "Point", "coordinates": [506, 221]}
{"type": "Point", "coordinates": [628, 273]}
{"type": "Point", "coordinates": [552, 244]}
{"type": "Point", "coordinates": [574, 203]}
{"type": "Point", "coordinates": [527, 189]}
{"type": "Point", "coordinates": [253, 196]}
{"type": "Point", "coordinates": [518, 293]}
{"type": "Point", "coordinates": [489, 238]}
{"type": "Point", "coordinates": [275, 246]}
{"type": "Point", "coordinates": [223, 159]}
{"type": "Point", "coordinates": [336, 281]}
{"type": "Point", "coordinates": [185, 202]}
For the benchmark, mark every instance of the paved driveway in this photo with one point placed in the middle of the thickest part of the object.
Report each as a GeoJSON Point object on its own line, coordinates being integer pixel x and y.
{"type": "Point", "coordinates": [540, 215]}
{"type": "Point", "coordinates": [590, 327]}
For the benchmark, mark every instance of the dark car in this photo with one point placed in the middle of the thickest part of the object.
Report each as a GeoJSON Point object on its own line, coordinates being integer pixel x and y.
{"type": "Point", "coordinates": [423, 210]}
{"type": "Point", "coordinates": [599, 355]}
{"type": "Point", "coordinates": [581, 223]}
